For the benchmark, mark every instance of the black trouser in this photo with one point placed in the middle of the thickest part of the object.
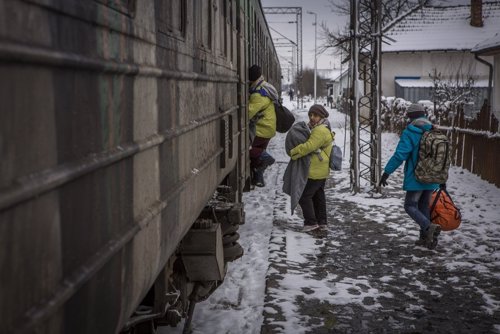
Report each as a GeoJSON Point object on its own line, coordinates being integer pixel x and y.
{"type": "Point", "coordinates": [313, 202]}
{"type": "Point", "coordinates": [259, 145]}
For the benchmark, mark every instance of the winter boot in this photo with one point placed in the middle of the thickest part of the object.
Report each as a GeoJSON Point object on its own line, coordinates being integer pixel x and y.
{"type": "Point", "coordinates": [266, 160]}
{"type": "Point", "coordinates": [309, 228]}
{"type": "Point", "coordinates": [432, 235]}
{"type": "Point", "coordinates": [258, 177]}
{"type": "Point", "coordinates": [322, 225]}
{"type": "Point", "coordinates": [421, 241]}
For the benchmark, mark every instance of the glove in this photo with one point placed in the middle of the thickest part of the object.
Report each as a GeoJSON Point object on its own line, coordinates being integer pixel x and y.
{"type": "Point", "coordinates": [383, 180]}
{"type": "Point", "coordinates": [294, 153]}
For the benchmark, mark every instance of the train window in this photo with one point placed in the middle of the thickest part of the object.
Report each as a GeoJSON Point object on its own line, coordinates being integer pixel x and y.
{"type": "Point", "coordinates": [123, 6]}
{"type": "Point", "coordinates": [253, 37]}
{"type": "Point", "coordinates": [223, 19]}
{"type": "Point", "coordinates": [171, 17]}
{"type": "Point", "coordinates": [203, 19]}
{"type": "Point", "coordinates": [232, 27]}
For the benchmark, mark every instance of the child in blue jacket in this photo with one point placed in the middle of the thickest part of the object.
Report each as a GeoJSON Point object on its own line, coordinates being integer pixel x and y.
{"type": "Point", "coordinates": [418, 194]}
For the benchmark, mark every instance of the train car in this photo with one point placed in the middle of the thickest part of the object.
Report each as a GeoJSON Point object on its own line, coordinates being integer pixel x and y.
{"type": "Point", "coordinates": [124, 155]}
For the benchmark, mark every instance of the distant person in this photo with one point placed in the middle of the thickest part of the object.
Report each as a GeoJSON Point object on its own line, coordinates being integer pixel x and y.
{"type": "Point", "coordinates": [329, 101]}
{"type": "Point", "coordinates": [418, 194]}
{"type": "Point", "coordinates": [314, 149]}
{"type": "Point", "coordinates": [290, 93]}
{"type": "Point", "coordinates": [262, 123]}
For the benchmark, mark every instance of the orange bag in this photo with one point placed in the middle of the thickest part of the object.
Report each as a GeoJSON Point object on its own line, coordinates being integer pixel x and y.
{"type": "Point", "coordinates": [443, 211]}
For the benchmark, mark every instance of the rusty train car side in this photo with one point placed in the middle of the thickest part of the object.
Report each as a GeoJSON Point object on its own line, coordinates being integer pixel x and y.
{"type": "Point", "coordinates": [124, 148]}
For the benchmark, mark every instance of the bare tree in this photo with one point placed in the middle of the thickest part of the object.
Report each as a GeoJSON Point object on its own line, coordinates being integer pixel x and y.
{"type": "Point", "coordinates": [390, 8]}
{"type": "Point", "coordinates": [338, 41]}
{"type": "Point", "coordinates": [451, 92]}
{"type": "Point", "coordinates": [308, 83]}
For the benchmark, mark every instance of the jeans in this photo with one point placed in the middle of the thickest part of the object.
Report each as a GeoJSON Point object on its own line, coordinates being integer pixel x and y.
{"type": "Point", "coordinates": [417, 207]}
{"type": "Point", "coordinates": [313, 202]}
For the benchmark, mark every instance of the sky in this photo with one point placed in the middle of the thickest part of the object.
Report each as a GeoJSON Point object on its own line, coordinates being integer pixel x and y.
{"type": "Point", "coordinates": [324, 14]}
{"type": "Point", "coordinates": [237, 306]}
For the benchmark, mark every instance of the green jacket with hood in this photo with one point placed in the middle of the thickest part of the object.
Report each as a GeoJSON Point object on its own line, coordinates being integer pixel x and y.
{"type": "Point", "coordinates": [319, 143]}
{"type": "Point", "coordinates": [266, 124]}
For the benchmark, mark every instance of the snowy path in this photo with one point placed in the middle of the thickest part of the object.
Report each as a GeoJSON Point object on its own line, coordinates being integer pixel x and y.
{"type": "Point", "coordinates": [366, 276]}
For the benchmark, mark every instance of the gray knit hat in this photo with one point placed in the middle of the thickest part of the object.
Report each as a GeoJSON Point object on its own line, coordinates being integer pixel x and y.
{"type": "Point", "coordinates": [319, 110]}
{"type": "Point", "coordinates": [415, 110]}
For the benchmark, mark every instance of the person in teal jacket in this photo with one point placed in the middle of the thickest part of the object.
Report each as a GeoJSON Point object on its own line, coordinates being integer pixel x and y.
{"type": "Point", "coordinates": [418, 194]}
{"type": "Point", "coordinates": [313, 201]}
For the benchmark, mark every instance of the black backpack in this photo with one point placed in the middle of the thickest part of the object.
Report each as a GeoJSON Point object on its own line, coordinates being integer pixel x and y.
{"type": "Point", "coordinates": [284, 118]}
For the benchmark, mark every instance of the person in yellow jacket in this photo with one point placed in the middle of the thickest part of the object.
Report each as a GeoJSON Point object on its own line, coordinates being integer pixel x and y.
{"type": "Point", "coordinates": [263, 117]}
{"type": "Point", "coordinates": [318, 146]}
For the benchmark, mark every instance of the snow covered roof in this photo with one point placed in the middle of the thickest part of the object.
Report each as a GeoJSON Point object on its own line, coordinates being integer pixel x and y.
{"type": "Point", "coordinates": [329, 73]}
{"type": "Point", "coordinates": [442, 3]}
{"type": "Point", "coordinates": [341, 75]}
{"type": "Point", "coordinates": [441, 29]}
{"type": "Point", "coordinates": [427, 83]}
{"type": "Point", "coordinates": [418, 83]}
{"type": "Point", "coordinates": [337, 76]}
{"type": "Point", "coordinates": [488, 45]}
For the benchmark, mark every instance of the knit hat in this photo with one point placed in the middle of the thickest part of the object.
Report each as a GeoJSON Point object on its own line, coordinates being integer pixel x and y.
{"type": "Point", "coordinates": [254, 73]}
{"type": "Point", "coordinates": [415, 110]}
{"type": "Point", "coordinates": [319, 110]}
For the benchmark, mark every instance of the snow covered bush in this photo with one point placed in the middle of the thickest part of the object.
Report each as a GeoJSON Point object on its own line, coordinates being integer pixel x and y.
{"type": "Point", "coordinates": [393, 113]}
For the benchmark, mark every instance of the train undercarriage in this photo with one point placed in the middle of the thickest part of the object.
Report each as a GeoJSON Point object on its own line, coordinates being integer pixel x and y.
{"type": "Point", "coordinates": [195, 270]}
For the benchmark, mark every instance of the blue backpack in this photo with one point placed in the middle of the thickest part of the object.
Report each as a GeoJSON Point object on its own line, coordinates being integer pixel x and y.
{"type": "Point", "coordinates": [335, 155]}
{"type": "Point", "coordinates": [336, 158]}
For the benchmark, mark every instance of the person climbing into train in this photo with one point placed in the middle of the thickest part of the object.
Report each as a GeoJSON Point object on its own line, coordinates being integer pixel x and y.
{"type": "Point", "coordinates": [262, 123]}
{"type": "Point", "coordinates": [316, 149]}
{"type": "Point", "coordinates": [418, 194]}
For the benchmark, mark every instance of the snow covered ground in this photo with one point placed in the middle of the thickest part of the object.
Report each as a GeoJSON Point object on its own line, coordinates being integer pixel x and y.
{"type": "Point", "coordinates": [238, 306]}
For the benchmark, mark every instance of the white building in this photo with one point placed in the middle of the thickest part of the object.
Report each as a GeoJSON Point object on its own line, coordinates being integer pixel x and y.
{"type": "Point", "coordinates": [338, 83]}
{"type": "Point", "coordinates": [491, 47]}
{"type": "Point", "coordinates": [430, 39]}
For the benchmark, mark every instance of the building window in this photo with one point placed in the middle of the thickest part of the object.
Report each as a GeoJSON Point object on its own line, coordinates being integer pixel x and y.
{"type": "Point", "coordinates": [203, 19]}
{"type": "Point", "coordinates": [223, 19]}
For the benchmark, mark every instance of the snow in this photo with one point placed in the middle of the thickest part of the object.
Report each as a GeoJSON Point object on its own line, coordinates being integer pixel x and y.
{"type": "Point", "coordinates": [442, 28]}
{"type": "Point", "coordinates": [238, 305]}
{"type": "Point", "coordinates": [330, 74]}
{"type": "Point", "coordinates": [490, 43]}
{"type": "Point", "coordinates": [429, 83]}
{"type": "Point", "coordinates": [442, 3]}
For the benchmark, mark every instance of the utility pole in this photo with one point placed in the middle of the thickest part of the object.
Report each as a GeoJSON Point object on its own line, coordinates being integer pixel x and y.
{"type": "Point", "coordinates": [315, 52]}
{"type": "Point", "coordinates": [297, 11]}
{"type": "Point", "coordinates": [366, 37]}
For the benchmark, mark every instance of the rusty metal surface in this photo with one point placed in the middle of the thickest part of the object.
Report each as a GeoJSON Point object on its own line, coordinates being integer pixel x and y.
{"type": "Point", "coordinates": [111, 143]}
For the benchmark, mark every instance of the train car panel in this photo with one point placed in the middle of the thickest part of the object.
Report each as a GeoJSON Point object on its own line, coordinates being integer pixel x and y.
{"type": "Point", "coordinates": [121, 120]}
